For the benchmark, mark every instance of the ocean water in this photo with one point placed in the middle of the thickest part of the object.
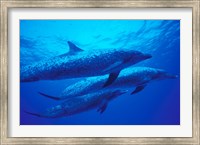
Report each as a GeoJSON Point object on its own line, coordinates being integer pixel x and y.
{"type": "Point", "coordinates": [157, 104]}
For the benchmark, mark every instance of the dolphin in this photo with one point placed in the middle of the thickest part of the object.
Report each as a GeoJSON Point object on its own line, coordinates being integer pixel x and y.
{"type": "Point", "coordinates": [78, 63]}
{"type": "Point", "coordinates": [132, 77]}
{"type": "Point", "coordinates": [80, 104]}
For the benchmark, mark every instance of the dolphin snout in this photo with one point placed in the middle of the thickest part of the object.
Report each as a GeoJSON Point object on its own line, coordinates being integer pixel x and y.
{"type": "Point", "coordinates": [171, 76]}
{"type": "Point", "coordinates": [123, 91]}
{"type": "Point", "coordinates": [119, 92]}
{"type": "Point", "coordinates": [147, 56]}
{"type": "Point", "coordinates": [174, 76]}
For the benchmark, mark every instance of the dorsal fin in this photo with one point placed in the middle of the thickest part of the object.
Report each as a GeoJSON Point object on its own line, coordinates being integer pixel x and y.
{"type": "Point", "coordinates": [73, 48]}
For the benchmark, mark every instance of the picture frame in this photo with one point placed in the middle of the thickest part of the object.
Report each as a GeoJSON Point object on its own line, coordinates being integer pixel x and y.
{"type": "Point", "coordinates": [6, 5]}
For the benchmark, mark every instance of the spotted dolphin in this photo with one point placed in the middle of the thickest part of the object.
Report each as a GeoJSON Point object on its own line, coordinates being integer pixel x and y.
{"type": "Point", "coordinates": [129, 78]}
{"type": "Point", "coordinates": [80, 104]}
{"type": "Point", "coordinates": [78, 63]}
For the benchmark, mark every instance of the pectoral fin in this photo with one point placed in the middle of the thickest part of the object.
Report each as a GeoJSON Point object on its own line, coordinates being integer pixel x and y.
{"type": "Point", "coordinates": [51, 97]}
{"type": "Point", "coordinates": [138, 89]}
{"type": "Point", "coordinates": [102, 107]}
{"type": "Point", "coordinates": [112, 77]}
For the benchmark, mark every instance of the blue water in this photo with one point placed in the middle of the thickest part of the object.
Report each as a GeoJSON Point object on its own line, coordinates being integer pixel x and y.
{"type": "Point", "coordinates": [157, 104]}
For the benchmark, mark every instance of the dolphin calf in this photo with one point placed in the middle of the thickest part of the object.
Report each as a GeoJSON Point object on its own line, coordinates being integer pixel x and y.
{"type": "Point", "coordinates": [78, 63]}
{"type": "Point", "coordinates": [80, 104]}
{"type": "Point", "coordinates": [132, 77]}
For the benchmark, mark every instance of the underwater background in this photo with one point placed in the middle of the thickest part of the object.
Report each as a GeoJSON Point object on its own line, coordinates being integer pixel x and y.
{"type": "Point", "coordinates": [157, 104]}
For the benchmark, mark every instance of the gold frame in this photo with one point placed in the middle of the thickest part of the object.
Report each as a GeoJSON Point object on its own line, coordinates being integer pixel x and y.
{"type": "Point", "coordinates": [194, 4]}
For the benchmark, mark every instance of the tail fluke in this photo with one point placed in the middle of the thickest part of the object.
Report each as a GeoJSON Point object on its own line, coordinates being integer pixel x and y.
{"type": "Point", "coordinates": [48, 96]}
{"type": "Point", "coordinates": [34, 114]}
